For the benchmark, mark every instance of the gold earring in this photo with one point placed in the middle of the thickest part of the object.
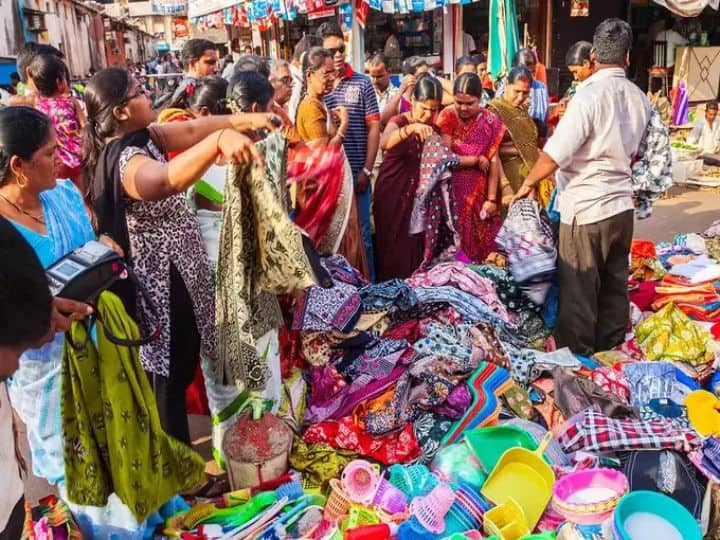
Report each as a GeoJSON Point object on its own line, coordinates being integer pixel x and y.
{"type": "Point", "coordinates": [24, 179]}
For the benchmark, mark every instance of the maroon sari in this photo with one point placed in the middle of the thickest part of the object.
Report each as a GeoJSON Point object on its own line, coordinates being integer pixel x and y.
{"type": "Point", "coordinates": [397, 253]}
{"type": "Point", "coordinates": [481, 137]}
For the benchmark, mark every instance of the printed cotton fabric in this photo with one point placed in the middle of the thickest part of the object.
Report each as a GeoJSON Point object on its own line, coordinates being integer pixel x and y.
{"type": "Point", "coordinates": [113, 441]}
{"type": "Point", "coordinates": [261, 254]}
{"type": "Point", "coordinates": [670, 335]}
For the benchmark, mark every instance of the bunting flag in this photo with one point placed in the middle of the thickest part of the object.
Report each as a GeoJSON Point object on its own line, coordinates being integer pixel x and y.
{"type": "Point", "coordinates": [362, 8]}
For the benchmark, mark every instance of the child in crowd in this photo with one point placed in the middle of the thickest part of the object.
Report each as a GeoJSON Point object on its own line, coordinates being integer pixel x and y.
{"type": "Point", "coordinates": [51, 77]}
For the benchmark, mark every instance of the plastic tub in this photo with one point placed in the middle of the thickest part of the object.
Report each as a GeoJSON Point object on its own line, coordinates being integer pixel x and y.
{"type": "Point", "coordinates": [647, 515]}
{"type": "Point", "coordinates": [589, 496]}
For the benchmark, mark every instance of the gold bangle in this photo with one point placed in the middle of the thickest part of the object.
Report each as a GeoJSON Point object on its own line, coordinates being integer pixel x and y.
{"type": "Point", "coordinates": [504, 182]}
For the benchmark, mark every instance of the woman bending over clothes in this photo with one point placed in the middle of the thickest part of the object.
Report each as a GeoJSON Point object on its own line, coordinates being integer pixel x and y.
{"type": "Point", "coordinates": [399, 252]}
{"type": "Point", "coordinates": [474, 134]}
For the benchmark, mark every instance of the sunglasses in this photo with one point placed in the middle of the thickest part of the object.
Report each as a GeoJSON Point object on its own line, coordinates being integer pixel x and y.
{"type": "Point", "coordinates": [337, 50]}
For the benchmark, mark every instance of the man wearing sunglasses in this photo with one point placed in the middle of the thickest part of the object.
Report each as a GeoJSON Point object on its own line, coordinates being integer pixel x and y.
{"type": "Point", "coordinates": [355, 92]}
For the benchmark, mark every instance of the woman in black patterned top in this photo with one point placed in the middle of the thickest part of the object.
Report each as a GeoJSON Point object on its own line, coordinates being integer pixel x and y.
{"type": "Point", "coordinates": [138, 200]}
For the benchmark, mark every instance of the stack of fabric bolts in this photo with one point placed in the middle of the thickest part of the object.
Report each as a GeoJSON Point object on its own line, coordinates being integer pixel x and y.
{"type": "Point", "coordinates": [439, 407]}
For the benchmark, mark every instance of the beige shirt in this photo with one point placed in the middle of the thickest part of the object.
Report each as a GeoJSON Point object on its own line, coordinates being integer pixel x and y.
{"type": "Point", "coordinates": [594, 145]}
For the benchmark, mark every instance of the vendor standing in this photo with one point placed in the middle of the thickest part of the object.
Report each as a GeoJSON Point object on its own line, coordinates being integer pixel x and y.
{"type": "Point", "coordinates": [706, 133]}
{"type": "Point", "coordinates": [591, 151]}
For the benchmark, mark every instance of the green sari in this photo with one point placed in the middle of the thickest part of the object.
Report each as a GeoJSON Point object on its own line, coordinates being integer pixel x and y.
{"type": "Point", "coordinates": [523, 133]}
{"type": "Point", "coordinates": [113, 441]}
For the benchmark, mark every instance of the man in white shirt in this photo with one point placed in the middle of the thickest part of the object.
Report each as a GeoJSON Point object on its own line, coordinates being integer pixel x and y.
{"type": "Point", "coordinates": [673, 40]}
{"type": "Point", "coordinates": [706, 133]}
{"type": "Point", "coordinates": [30, 317]}
{"type": "Point", "coordinates": [469, 46]}
{"type": "Point", "coordinates": [591, 152]}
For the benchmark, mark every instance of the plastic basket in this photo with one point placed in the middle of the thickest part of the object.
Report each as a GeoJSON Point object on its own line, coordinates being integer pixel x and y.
{"type": "Point", "coordinates": [389, 498]}
{"type": "Point", "coordinates": [360, 517]}
{"type": "Point", "coordinates": [360, 481]}
{"type": "Point", "coordinates": [430, 510]}
{"type": "Point", "coordinates": [413, 480]}
{"type": "Point", "coordinates": [338, 503]}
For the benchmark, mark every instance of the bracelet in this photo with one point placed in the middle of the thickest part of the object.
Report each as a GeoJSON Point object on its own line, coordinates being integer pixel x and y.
{"type": "Point", "coordinates": [217, 142]}
{"type": "Point", "coordinates": [504, 182]}
{"type": "Point", "coordinates": [367, 172]}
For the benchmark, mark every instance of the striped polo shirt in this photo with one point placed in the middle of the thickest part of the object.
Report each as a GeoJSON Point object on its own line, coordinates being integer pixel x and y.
{"type": "Point", "coordinates": [355, 92]}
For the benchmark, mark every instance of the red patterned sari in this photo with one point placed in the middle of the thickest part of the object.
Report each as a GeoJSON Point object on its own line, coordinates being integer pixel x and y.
{"type": "Point", "coordinates": [480, 137]}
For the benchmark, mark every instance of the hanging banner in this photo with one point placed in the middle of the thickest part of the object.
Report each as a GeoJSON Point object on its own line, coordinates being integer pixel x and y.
{"type": "Point", "coordinates": [198, 8]}
{"type": "Point", "coordinates": [362, 8]}
{"type": "Point", "coordinates": [580, 8]}
{"type": "Point", "coordinates": [169, 7]}
{"type": "Point", "coordinates": [688, 8]}
{"type": "Point", "coordinates": [180, 28]}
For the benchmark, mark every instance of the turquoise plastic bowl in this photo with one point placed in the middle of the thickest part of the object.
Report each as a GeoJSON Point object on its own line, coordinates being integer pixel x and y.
{"type": "Point", "coordinates": [651, 502]}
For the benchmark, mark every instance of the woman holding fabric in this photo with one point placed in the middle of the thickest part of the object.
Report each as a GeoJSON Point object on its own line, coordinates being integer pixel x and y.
{"type": "Point", "coordinates": [326, 206]}
{"type": "Point", "coordinates": [51, 216]}
{"type": "Point", "coordinates": [474, 134]}
{"type": "Point", "coordinates": [399, 252]}
{"type": "Point", "coordinates": [519, 147]}
{"type": "Point", "coordinates": [138, 199]}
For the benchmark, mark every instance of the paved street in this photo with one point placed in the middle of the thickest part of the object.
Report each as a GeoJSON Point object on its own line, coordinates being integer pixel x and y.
{"type": "Point", "coordinates": [684, 211]}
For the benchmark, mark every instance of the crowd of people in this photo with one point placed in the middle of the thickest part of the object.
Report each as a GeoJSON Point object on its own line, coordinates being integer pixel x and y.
{"type": "Point", "coordinates": [151, 184]}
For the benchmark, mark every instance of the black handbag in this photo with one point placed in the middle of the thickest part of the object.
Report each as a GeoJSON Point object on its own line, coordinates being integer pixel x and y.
{"type": "Point", "coordinates": [88, 271]}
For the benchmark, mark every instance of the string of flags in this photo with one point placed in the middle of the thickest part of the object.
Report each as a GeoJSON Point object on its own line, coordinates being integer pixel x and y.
{"type": "Point", "coordinates": [266, 12]}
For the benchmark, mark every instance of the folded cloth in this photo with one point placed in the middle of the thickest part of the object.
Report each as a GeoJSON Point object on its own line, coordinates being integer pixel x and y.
{"type": "Point", "coordinates": [573, 394]}
{"type": "Point", "coordinates": [113, 441]}
{"type": "Point", "coordinates": [699, 270]}
{"type": "Point", "coordinates": [593, 431]}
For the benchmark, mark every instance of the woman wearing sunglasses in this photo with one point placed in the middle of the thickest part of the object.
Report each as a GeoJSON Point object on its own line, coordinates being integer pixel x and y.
{"type": "Point", "coordinates": [138, 197]}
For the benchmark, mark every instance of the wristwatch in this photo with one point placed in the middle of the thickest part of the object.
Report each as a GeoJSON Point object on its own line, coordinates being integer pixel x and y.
{"type": "Point", "coordinates": [367, 172]}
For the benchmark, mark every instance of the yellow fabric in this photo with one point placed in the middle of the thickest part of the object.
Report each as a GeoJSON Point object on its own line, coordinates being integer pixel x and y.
{"type": "Point", "coordinates": [702, 408]}
{"type": "Point", "coordinates": [670, 335]}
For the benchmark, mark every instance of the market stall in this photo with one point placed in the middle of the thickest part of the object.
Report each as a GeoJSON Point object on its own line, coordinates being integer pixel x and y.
{"type": "Point", "coordinates": [700, 68]}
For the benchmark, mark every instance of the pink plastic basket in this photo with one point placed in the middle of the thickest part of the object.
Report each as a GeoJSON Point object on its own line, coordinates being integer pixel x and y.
{"type": "Point", "coordinates": [430, 510]}
{"type": "Point", "coordinates": [389, 498]}
{"type": "Point", "coordinates": [360, 481]}
{"type": "Point", "coordinates": [589, 496]}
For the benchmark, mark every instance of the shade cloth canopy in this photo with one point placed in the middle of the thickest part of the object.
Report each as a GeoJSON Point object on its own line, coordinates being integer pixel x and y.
{"type": "Point", "coordinates": [688, 8]}
{"type": "Point", "coordinates": [504, 41]}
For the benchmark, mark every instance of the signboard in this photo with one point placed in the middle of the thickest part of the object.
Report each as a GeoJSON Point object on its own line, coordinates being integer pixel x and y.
{"type": "Point", "coordinates": [180, 28]}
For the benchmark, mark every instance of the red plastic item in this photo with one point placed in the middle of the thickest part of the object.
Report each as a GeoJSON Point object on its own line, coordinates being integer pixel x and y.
{"type": "Point", "coordinates": [369, 532]}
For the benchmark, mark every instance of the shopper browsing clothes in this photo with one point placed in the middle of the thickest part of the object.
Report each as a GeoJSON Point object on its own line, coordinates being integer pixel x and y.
{"type": "Point", "coordinates": [590, 154]}
{"type": "Point", "coordinates": [355, 92]}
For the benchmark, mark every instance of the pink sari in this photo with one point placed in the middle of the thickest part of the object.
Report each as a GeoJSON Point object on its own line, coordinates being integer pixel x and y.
{"type": "Point", "coordinates": [481, 137]}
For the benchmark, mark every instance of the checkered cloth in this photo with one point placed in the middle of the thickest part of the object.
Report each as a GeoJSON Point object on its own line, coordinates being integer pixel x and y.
{"type": "Point", "coordinates": [528, 239]}
{"type": "Point", "coordinates": [592, 431]}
